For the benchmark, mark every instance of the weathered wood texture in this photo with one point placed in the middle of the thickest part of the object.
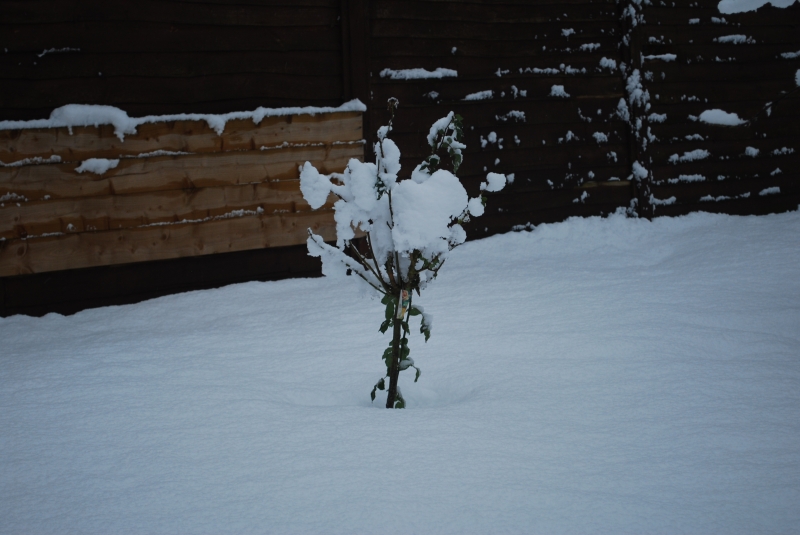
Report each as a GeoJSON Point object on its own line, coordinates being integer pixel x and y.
{"type": "Point", "coordinates": [751, 168]}
{"type": "Point", "coordinates": [516, 52]}
{"type": "Point", "coordinates": [235, 191]}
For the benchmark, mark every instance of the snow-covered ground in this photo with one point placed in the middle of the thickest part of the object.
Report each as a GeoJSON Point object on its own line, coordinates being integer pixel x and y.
{"type": "Point", "coordinates": [594, 376]}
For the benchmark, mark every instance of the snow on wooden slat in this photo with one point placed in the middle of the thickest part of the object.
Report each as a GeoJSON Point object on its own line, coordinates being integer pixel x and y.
{"type": "Point", "coordinates": [186, 136]}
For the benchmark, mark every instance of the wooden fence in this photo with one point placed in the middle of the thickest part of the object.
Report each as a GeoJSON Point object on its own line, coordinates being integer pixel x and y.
{"type": "Point", "coordinates": [592, 106]}
{"type": "Point", "coordinates": [234, 191]}
{"type": "Point", "coordinates": [508, 57]}
{"type": "Point", "coordinates": [692, 59]}
{"type": "Point", "coordinates": [574, 155]}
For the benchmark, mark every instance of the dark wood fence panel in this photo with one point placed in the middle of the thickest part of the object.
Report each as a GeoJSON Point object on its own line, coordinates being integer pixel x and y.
{"type": "Point", "coordinates": [694, 59]}
{"type": "Point", "coordinates": [567, 155]}
{"type": "Point", "coordinates": [163, 57]}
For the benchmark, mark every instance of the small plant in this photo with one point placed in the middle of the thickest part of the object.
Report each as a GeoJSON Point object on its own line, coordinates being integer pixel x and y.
{"type": "Point", "coordinates": [409, 225]}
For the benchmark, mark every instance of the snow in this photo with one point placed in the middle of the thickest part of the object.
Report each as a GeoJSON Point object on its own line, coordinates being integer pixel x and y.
{"type": "Point", "coordinates": [636, 93]}
{"type": "Point", "coordinates": [36, 160]}
{"type": "Point", "coordinates": [593, 376]}
{"type": "Point", "coordinates": [689, 156]}
{"type": "Point", "coordinates": [657, 117]}
{"type": "Point", "coordinates": [662, 57]}
{"type": "Point", "coordinates": [480, 95]}
{"type": "Point", "coordinates": [97, 166]}
{"type": "Point", "coordinates": [494, 182]}
{"type": "Point", "coordinates": [737, 39]}
{"type": "Point", "coordinates": [687, 178]}
{"type": "Point", "coordinates": [751, 151]}
{"type": "Point", "coordinates": [314, 186]}
{"type": "Point", "coordinates": [423, 211]}
{"type": "Point", "coordinates": [661, 202]}
{"type": "Point", "coordinates": [513, 114]}
{"type": "Point", "coordinates": [717, 116]}
{"type": "Point", "coordinates": [790, 55]}
{"type": "Point", "coordinates": [73, 115]}
{"type": "Point", "coordinates": [418, 74]}
{"type": "Point", "coordinates": [622, 110]}
{"type": "Point", "coordinates": [161, 152]}
{"type": "Point", "coordinates": [600, 137]}
{"type": "Point", "coordinates": [694, 21]}
{"type": "Point", "coordinates": [606, 63]}
{"type": "Point", "coordinates": [770, 191]}
{"type": "Point", "coordinates": [639, 172]}
{"type": "Point", "coordinates": [57, 51]}
{"type": "Point", "coordinates": [741, 6]}
{"type": "Point", "coordinates": [558, 91]}
{"type": "Point", "coordinates": [797, 78]}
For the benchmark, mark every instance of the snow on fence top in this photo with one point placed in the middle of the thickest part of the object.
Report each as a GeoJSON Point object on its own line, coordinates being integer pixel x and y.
{"type": "Point", "coordinates": [418, 74]}
{"type": "Point", "coordinates": [95, 115]}
{"type": "Point", "coordinates": [178, 187]}
{"type": "Point", "coordinates": [742, 6]}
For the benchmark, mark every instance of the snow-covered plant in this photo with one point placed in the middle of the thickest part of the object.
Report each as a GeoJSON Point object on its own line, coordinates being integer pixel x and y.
{"type": "Point", "coordinates": [409, 227]}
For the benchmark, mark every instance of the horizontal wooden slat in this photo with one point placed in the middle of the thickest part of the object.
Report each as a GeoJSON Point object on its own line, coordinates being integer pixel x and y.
{"type": "Point", "coordinates": [707, 53]}
{"type": "Point", "coordinates": [535, 50]}
{"type": "Point", "coordinates": [485, 31]}
{"type": "Point", "coordinates": [737, 72]}
{"type": "Point", "coordinates": [269, 15]}
{"type": "Point", "coordinates": [658, 15]}
{"type": "Point", "coordinates": [707, 33]}
{"type": "Point", "coordinates": [778, 125]}
{"type": "Point", "coordinates": [186, 136]}
{"type": "Point", "coordinates": [725, 148]}
{"type": "Point", "coordinates": [142, 108]}
{"type": "Point", "coordinates": [124, 36]}
{"type": "Point", "coordinates": [136, 175]}
{"type": "Point", "coordinates": [693, 191]}
{"type": "Point", "coordinates": [471, 68]}
{"type": "Point", "coordinates": [127, 211]}
{"type": "Point", "coordinates": [163, 242]}
{"type": "Point", "coordinates": [445, 12]}
{"type": "Point", "coordinates": [712, 168]}
{"type": "Point", "coordinates": [124, 90]}
{"type": "Point", "coordinates": [166, 64]}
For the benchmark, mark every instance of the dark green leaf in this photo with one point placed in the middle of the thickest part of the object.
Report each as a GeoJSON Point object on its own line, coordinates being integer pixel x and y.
{"type": "Point", "coordinates": [424, 329]}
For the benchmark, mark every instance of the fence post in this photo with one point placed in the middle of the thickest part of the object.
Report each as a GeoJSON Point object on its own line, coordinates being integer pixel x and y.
{"type": "Point", "coordinates": [355, 48]}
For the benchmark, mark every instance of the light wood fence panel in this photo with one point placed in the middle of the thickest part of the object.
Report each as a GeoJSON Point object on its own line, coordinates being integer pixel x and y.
{"type": "Point", "coordinates": [234, 191]}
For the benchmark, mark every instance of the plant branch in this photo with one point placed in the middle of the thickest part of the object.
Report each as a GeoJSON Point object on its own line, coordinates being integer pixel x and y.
{"type": "Point", "coordinates": [349, 266]}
